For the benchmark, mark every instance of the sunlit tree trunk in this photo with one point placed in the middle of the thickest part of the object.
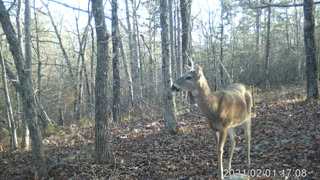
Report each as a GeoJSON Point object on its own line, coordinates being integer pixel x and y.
{"type": "Point", "coordinates": [103, 153]}
{"type": "Point", "coordinates": [169, 112]}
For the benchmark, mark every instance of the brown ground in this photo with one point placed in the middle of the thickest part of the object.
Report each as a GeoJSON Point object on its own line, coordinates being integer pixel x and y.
{"type": "Point", "coordinates": [285, 143]}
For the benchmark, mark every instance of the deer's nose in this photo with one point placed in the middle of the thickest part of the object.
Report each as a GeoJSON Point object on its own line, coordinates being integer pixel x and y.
{"type": "Point", "coordinates": [175, 88]}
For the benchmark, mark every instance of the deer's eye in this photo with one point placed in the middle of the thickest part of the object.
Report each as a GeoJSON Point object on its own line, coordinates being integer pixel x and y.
{"type": "Point", "coordinates": [188, 78]}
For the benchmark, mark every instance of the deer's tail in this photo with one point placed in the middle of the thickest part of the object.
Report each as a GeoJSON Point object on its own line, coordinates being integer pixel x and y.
{"type": "Point", "coordinates": [250, 101]}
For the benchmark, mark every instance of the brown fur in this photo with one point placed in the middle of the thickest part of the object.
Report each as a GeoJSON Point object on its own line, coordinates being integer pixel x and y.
{"type": "Point", "coordinates": [223, 110]}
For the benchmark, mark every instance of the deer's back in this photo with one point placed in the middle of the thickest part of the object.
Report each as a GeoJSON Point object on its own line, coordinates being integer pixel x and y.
{"type": "Point", "coordinates": [232, 107]}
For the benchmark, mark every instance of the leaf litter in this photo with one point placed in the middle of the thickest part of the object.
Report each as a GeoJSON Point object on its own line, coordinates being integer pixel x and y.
{"type": "Point", "coordinates": [285, 141]}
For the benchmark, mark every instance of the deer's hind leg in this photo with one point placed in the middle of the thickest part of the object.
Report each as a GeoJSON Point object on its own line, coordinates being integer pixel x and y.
{"type": "Point", "coordinates": [247, 130]}
{"type": "Point", "coordinates": [233, 144]}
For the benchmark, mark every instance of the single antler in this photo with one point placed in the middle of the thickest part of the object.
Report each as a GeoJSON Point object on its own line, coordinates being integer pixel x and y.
{"type": "Point", "coordinates": [192, 63]}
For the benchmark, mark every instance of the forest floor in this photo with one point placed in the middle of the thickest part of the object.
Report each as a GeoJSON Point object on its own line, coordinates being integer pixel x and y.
{"type": "Point", "coordinates": [285, 145]}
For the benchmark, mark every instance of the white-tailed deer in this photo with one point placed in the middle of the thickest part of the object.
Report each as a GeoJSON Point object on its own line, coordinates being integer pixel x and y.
{"type": "Point", "coordinates": [223, 110]}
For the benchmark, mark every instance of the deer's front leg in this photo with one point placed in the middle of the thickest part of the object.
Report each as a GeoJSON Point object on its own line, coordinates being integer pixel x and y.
{"type": "Point", "coordinates": [221, 136]}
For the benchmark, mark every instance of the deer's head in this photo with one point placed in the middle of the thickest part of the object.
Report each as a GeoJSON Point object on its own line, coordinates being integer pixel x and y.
{"type": "Point", "coordinates": [191, 80]}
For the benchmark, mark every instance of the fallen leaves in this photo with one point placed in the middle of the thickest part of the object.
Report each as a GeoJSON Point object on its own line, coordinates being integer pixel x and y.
{"type": "Point", "coordinates": [285, 135]}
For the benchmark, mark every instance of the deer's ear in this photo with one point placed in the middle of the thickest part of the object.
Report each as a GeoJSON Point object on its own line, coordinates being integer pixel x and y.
{"type": "Point", "coordinates": [198, 70]}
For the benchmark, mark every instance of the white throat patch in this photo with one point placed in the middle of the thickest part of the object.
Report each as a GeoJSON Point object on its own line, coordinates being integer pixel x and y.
{"type": "Point", "coordinates": [195, 92]}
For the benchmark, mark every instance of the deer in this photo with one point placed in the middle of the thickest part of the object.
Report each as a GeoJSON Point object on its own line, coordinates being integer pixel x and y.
{"type": "Point", "coordinates": [223, 110]}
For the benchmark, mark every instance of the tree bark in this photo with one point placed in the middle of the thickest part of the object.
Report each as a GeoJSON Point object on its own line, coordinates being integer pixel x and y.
{"type": "Point", "coordinates": [11, 122]}
{"type": "Point", "coordinates": [173, 62]}
{"type": "Point", "coordinates": [126, 68]}
{"type": "Point", "coordinates": [185, 6]}
{"type": "Point", "coordinates": [171, 124]}
{"type": "Point", "coordinates": [29, 105]}
{"type": "Point", "coordinates": [103, 153]}
{"type": "Point", "coordinates": [81, 70]}
{"type": "Point", "coordinates": [310, 46]}
{"type": "Point", "coordinates": [136, 64]}
{"type": "Point", "coordinates": [185, 23]}
{"type": "Point", "coordinates": [115, 62]}
{"type": "Point", "coordinates": [267, 51]}
{"type": "Point", "coordinates": [178, 41]}
{"type": "Point", "coordinates": [221, 44]}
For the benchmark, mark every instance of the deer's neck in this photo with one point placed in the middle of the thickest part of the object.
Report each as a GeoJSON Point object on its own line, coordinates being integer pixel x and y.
{"type": "Point", "coordinates": [206, 100]}
{"type": "Point", "coordinates": [203, 89]}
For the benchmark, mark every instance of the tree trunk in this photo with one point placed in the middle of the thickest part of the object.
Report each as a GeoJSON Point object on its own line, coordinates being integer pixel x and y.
{"type": "Point", "coordinates": [185, 21]}
{"type": "Point", "coordinates": [11, 122]}
{"type": "Point", "coordinates": [150, 74]}
{"type": "Point", "coordinates": [81, 69]}
{"type": "Point", "coordinates": [267, 52]}
{"type": "Point", "coordinates": [126, 68]}
{"type": "Point", "coordinates": [171, 124]}
{"type": "Point", "coordinates": [297, 31]}
{"type": "Point", "coordinates": [178, 41]}
{"type": "Point", "coordinates": [258, 48]}
{"type": "Point", "coordinates": [25, 142]}
{"type": "Point", "coordinates": [136, 64]}
{"type": "Point", "coordinates": [29, 105]}
{"type": "Point", "coordinates": [103, 153]}
{"type": "Point", "coordinates": [115, 62]}
{"type": "Point", "coordinates": [221, 44]}
{"type": "Point", "coordinates": [93, 51]}
{"type": "Point", "coordinates": [42, 115]}
{"type": "Point", "coordinates": [61, 117]}
{"type": "Point", "coordinates": [18, 21]}
{"type": "Point", "coordinates": [173, 62]}
{"type": "Point", "coordinates": [310, 46]}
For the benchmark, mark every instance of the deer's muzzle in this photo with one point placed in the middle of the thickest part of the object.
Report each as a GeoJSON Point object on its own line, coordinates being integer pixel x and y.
{"type": "Point", "coordinates": [175, 88]}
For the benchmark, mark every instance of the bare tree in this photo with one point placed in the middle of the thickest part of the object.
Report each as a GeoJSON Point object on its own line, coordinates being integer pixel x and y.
{"type": "Point", "coordinates": [170, 120]}
{"type": "Point", "coordinates": [267, 51]}
{"type": "Point", "coordinates": [126, 68]}
{"type": "Point", "coordinates": [64, 52]}
{"type": "Point", "coordinates": [11, 122]}
{"type": "Point", "coordinates": [136, 67]}
{"type": "Point", "coordinates": [173, 63]}
{"type": "Point", "coordinates": [310, 46]}
{"type": "Point", "coordinates": [134, 61]}
{"type": "Point", "coordinates": [178, 39]}
{"type": "Point", "coordinates": [115, 61]}
{"type": "Point", "coordinates": [103, 153]}
{"type": "Point", "coordinates": [222, 43]}
{"type": "Point", "coordinates": [185, 23]}
{"type": "Point", "coordinates": [28, 101]}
